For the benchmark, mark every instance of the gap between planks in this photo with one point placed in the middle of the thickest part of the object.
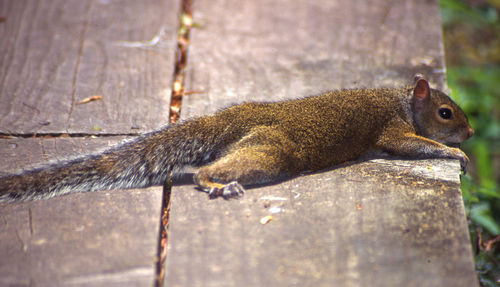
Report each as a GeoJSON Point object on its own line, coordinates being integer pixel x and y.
{"type": "Point", "coordinates": [184, 26]}
{"type": "Point", "coordinates": [181, 54]}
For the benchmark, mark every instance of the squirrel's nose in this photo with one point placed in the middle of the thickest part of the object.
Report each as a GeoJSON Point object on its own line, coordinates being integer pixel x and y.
{"type": "Point", "coordinates": [470, 132]}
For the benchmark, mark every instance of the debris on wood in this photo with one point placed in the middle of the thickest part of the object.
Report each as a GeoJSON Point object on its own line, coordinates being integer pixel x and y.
{"type": "Point", "coordinates": [90, 99]}
{"type": "Point", "coordinates": [177, 86]}
{"type": "Point", "coordinates": [275, 209]}
{"type": "Point", "coordinates": [266, 219]}
{"type": "Point", "coordinates": [193, 92]}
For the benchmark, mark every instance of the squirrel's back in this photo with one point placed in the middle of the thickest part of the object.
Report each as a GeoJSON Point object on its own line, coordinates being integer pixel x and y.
{"type": "Point", "coordinates": [330, 128]}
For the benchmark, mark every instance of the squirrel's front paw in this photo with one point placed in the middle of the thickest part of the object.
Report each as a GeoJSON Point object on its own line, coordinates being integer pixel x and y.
{"type": "Point", "coordinates": [232, 189]}
{"type": "Point", "coordinates": [462, 157]}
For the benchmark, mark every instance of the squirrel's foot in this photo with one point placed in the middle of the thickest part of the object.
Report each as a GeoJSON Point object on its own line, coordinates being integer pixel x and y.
{"type": "Point", "coordinates": [462, 157]}
{"type": "Point", "coordinates": [232, 189]}
{"type": "Point", "coordinates": [463, 163]}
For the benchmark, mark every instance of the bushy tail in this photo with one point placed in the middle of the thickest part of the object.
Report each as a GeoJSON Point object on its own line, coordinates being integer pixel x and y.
{"type": "Point", "coordinates": [142, 162]}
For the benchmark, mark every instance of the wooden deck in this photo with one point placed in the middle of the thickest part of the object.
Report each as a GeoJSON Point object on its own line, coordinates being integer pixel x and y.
{"type": "Point", "coordinates": [371, 223]}
{"type": "Point", "coordinates": [53, 55]}
{"type": "Point", "coordinates": [374, 222]}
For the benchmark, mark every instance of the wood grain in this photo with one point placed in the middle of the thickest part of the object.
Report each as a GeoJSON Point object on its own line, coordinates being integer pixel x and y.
{"type": "Point", "coordinates": [271, 50]}
{"type": "Point", "coordinates": [53, 54]}
{"type": "Point", "coordinates": [56, 53]}
{"type": "Point", "coordinates": [371, 223]}
{"type": "Point", "coordinates": [374, 223]}
{"type": "Point", "coordinates": [107, 238]}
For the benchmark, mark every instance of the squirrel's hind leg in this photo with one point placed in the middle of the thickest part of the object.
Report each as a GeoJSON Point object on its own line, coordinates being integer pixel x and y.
{"type": "Point", "coordinates": [264, 155]}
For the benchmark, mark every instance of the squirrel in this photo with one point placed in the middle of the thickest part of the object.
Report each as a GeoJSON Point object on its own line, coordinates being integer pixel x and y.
{"type": "Point", "coordinates": [260, 142]}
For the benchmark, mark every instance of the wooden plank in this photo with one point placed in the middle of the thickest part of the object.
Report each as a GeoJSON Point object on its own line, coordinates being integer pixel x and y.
{"type": "Point", "coordinates": [56, 53]}
{"type": "Point", "coordinates": [372, 223]}
{"type": "Point", "coordinates": [90, 239]}
{"type": "Point", "coordinates": [376, 223]}
{"type": "Point", "coordinates": [307, 48]}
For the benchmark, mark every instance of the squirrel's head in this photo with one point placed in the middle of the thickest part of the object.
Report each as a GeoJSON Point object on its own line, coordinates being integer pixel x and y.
{"type": "Point", "coordinates": [436, 115]}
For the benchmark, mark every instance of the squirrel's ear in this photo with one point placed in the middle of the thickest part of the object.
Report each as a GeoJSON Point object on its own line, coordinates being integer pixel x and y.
{"type": "Point", "coordinates": [421, 92]}
{"type": "Point", "coordinates": [417, 77]}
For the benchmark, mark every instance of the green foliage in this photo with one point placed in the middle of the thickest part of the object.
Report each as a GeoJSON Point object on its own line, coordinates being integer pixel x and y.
{"type": "Point", "coordinates": [456, 10]}
{"type": "Point", "coordinates": [472, 48]}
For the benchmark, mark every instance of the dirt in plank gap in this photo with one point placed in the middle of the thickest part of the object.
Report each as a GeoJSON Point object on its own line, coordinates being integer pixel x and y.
{"type": "Point", "coordinates": [185, 25]}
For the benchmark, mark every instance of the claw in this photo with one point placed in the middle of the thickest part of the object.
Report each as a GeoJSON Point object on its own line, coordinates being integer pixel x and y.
{"type": "Point", "coordinates": [213, 192]}
{"type": "Point", "coordinates": [463, 167]}
{"type": "Point", "coordinates": [463, 163]}
{"type": "Point", "coordinates": [232, 189]}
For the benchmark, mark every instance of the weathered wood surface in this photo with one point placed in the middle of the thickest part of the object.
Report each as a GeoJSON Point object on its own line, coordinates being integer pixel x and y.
{"type": "Point", "coordinates": [56, 53]}
{"type": "Point", "coordinates": [270, 50]}
{"type": "Point", "coordinates": [372, 223]}
{"type": "Point", "coordinates": [107, 238]}
{"type": "Point", "coordinates": [376, 223]}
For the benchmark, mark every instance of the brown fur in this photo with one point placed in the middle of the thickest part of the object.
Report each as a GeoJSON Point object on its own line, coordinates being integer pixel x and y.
{"type": "Point", "coordinates": [256, 143]}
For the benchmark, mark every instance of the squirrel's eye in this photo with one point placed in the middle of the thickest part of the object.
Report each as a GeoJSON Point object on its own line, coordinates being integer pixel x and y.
{"type": "Point", "coordinates": [445, 113]}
